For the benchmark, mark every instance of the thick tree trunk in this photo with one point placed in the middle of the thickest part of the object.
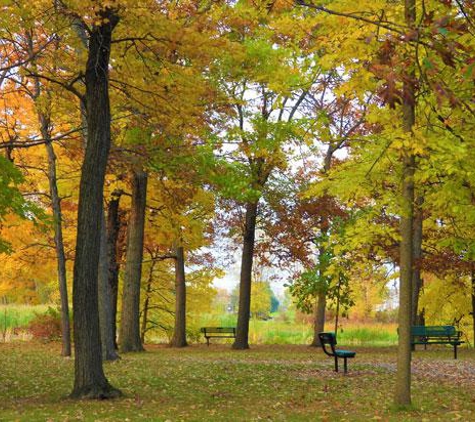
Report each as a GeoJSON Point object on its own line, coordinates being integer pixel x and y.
{"type": "Point", "coordinates": [90, 381]}
{"type": "Point", "coordinates": [417, 257]}
{"type": "Point", "coordinates": [113, 258]}
{"type": "Point", "coordinates": [179, 334]}
{"type": "Point", "coordinates": [59, 246]}
{"type": "Point", "coordinates": [403, 374]}
{"type": "Point", "coordinates": [129, 338]}
{"type": "Point", "coordinates": [105, 300]}
{"type": "Point", "coordinates": [319, 317]}
{"type": "Point", "coordinates": [244, 312]}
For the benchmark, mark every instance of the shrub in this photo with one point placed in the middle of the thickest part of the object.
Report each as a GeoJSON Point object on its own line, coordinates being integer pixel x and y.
{"type": "Point", "coordinates": [46, 327]}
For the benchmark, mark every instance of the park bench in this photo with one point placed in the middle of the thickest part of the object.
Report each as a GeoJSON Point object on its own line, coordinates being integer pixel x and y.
{"type": "Point", "coordinates": [218, 332]}
{"type": "Point", "coordinates": [329, 339]}
{"type": "Point", "coordinates": [436, 334]}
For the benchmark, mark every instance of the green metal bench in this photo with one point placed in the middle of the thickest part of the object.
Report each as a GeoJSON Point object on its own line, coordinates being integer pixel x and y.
{"type": "Point", "coordinates": [436, 334]}
{"type": "Point", "coordinates": [329, 339]}
{"type": "Point", "coordinates": [218, 332]}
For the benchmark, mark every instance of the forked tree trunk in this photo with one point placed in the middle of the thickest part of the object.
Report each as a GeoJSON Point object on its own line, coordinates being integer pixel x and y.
{"type": "Point", "coordinates": [416, 314]}
{"type": "Point", "coordinates": [403, 374]}
{"type": "Point", "coordinates": [129, 338]}
{"type": "Point", "coordinates": [113, 258]}
{"type": "Point", "coordinates": [244, 312]}
{"type": "Point", "coordinates": [105, 300]}
{"type": "Point", "coordinates": [90, 381]}
{"type": "Point", "coordinates": [179, 333]}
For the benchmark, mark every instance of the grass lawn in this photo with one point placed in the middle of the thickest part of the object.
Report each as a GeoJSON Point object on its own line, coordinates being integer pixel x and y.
{"type": "Point", "coordinates": [270, 383]}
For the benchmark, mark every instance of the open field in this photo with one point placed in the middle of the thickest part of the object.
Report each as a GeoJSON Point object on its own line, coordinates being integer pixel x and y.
{"type": "Point", "coordinates": [273, 383]}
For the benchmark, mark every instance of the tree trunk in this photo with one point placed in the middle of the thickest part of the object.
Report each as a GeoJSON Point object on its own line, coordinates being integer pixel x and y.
{"type": "Point", "coordinates": [319, 317]}
{"type": "Point", "coordinates": [244, 312]}
{"type": "Point", "coordinates": [179, 334]}
{"type": "Point", "coordinates": [113, 258]}
{"type": "Point", "coordinates": [90, 381]}
{"type": "Point", "coordinates": [146, 304]}
{"type": "Point", "coordinates": [45, 129]}
{"type": "Point", "coordinates": [59, 246]}
{"type": "Point", "coordinates": [417, 257]}
{"type": "Point", "coordinates": [472, 274]}
{"type": "Point", "coordinates": [403, 374]}
{"type": "Point", "coordinates": [105, 299]}
{"type": "Point", "coordinates": [129, 339]}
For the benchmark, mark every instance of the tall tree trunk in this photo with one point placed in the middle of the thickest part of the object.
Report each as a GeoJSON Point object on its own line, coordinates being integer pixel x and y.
{"type": "Point", "coordinates": [244, 312]}
{"type": "Point", "coordinates": [105, 299]}
{"type": "Point", "coordinates": [472, 276]}
{"type": "Point", "coordinates": [146, 305]}
{"type": "Point", "coordinates": [129, 339]}
{"type": "Point", "coordinates": [90, 381]}
{"type": "Point", "coordinates": [179, 334]}
{"type": "Point", "coordinates": [416, 314]}
{"type": "Point", "coordinates": [403, 374]}
{"type": "Point", "coordinates": [44, 119]}
{"type": "Point", "coordinates": [321, 304]}
{"type": "Point", "coordinates": [59, 247]}
{"type": "Point", "coordinates": [113, 258]}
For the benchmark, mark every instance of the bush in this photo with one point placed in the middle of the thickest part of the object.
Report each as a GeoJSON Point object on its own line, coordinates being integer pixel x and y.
{"type": "Point", "coordinates": [46, 327]}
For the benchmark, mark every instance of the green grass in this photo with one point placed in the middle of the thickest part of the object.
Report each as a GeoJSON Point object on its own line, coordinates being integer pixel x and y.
{"type": "Point", "coordinates": [279, 331]}
{"type": "Point", "coordinates": [15, 316]}
{"type": "Point", "coordinates": [271, 383]}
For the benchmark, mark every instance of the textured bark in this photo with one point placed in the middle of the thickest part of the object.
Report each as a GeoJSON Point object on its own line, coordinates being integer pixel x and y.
{"type": "Point", "coordinates": [90, 381]}
{"type": "Point", "coordinates": [105, 300]}
{"type": "Point", "coordinates": [129, 338]}
{"type": "Point", "coordinates": [244, 312]}
{"type": "Point", "coordinates": [416, 314]}
{"type": "Point", "coordinates": [179, 333]}
{"type": "Point", "coordinates": [113, 258]}
{"type": "Point", "coordinates": [402, 395]}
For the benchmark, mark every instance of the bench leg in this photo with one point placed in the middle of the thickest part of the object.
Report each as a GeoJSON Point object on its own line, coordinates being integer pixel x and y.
{"type": "Point", "coordinates": [455, 351]}
{"type": "Point", "coordinates": [207, 341]}
{"type": "Point", "coordinates": [336, 364]}
{"type": "Point", "coordinates": [345, 365]}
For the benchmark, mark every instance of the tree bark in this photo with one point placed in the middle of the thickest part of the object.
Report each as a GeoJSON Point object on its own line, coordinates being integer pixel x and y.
{"type": "Point", "coordinates": [319, 318]}
{"type": "Point", "coordinates": [179, 333]}
{"type": "Point", "coordinates": [90, 381]}
{"type": "Point", "coordinates": [59, 246]}
{"type": "Point", "coordinates": [403, 374]}
{"type": "Point", "coordinates": [105, 299]}
{"type": "Point", "coordinates": [146, 305]}
{"type": "Point", "coordinates": [113, 258]}
{"type": "Point", "coordinates": [44, 119]}
{"type": "Point", "coordinates": [242, 331]}
{"type": "Point", "coordinates": [416, 315]}
{"type": "Point", "coordinates": [129, 339]}
{"type": "Point", "coordinates": [321, 304]}
{"type": "Point", "coordinates": [472, 276]}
